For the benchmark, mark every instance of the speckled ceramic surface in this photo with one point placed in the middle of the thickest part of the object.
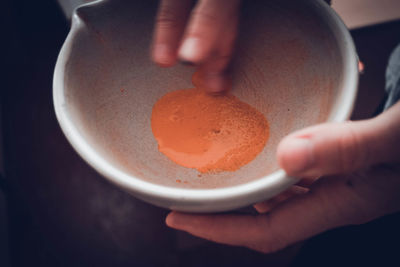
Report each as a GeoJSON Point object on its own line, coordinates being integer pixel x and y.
{"type": "Point", "coordinates": [295, 63]}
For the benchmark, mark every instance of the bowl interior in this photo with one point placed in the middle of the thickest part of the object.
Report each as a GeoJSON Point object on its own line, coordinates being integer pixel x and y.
{"type": "Point", "coordinates": [288, 65]}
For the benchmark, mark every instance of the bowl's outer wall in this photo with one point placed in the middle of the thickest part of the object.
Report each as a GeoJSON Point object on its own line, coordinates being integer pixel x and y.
{"type": "Point", "coordinates": [290, 65]}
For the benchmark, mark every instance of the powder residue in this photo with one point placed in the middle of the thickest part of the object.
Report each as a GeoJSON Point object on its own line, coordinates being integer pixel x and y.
{"type": "Point", "coordinates": [207, 132]}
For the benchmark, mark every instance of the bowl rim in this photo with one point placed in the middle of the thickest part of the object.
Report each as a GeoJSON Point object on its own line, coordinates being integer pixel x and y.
{"type": "Point", "coordinates": [277, 179]}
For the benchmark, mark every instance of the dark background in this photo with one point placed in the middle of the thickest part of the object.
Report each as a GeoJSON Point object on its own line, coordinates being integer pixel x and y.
{"type": "Point", "coordinates": [61, 213]}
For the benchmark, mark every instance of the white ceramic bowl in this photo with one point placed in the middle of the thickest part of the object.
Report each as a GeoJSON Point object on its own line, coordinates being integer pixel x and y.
{"type": "Point", "coordinates": [295, 62]}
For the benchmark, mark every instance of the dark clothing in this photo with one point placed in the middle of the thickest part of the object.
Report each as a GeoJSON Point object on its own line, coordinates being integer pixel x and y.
{"type": "Point", "coordinates": [393, 78]}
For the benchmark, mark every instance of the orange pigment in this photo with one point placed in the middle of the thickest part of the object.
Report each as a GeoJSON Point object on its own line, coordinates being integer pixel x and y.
{"type": "Point", "coordinates": [209, 133]}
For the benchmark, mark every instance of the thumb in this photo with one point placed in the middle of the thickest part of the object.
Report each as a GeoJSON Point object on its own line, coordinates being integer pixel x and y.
{"type": "Point", "coordinates": [334, 148]}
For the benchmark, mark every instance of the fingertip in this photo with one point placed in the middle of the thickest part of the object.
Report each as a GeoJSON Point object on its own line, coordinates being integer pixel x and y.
{"type": "Point", "coordinates": [216, 83]}
{"type": "Point", "coordinates": [295, 155]}
{"type": "Point", "coordinates": [169, 220]}
{"type": "Point", "coordinates": [262, 207]}
{"type": "Point", "coordinates": [175, 220]}
{"type": "Point", "coordinates": [163, 55]}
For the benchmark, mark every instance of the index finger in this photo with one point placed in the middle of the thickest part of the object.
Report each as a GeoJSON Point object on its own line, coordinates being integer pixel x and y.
{"type": "Point", "coordinates": [208, 22]}
{"type": "Point", "coordinates": [170, 24]}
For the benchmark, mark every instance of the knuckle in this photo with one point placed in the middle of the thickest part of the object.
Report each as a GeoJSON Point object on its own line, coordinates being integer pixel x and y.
{"type": "Point", "coordinates": [206, 17]}
{"type": "Point", "coordinates": [268, 248]}
{"type": "Point", "coordinates": [224, 55]}
{"type": "Point", "coordinates": [218, 64]}
{"type": "Point", "coordinates": [167, 18]}
{"type": "Point", "coordinates": [327, 206]}
{"type": "Point", "coordinates": [220, 59]}
{"type": "Point", "coordinates": [271, 240]}
{"type": "Point", "coordinates": [348, 208]}
{"type": "Point", "coordinates": [349, 149]}
{"type": "Point", "coordinates": [362, 202]}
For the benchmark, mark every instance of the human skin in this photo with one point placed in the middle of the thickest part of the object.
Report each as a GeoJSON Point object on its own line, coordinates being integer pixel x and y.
{"type": "Point", "coordinates": [350, 171]}
{"type": "Point", "coordinates": [205, 38]}
{"type": "Point", "coordinates": [359, 166]}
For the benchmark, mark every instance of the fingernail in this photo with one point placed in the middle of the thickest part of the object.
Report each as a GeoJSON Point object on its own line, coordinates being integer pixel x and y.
{"type": "Point", "coordinates": [169, 220]}
{"type": "Point", "coordinates": [263, 207]}
{"type": "Point", "coordinates": [299, 155]}
{"type": "Point", "coordinates": [163, 55]}
{"type": "Point", "coordinates": [189, 49]}
{"type": "Point", "coordinates": [172, 220]}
